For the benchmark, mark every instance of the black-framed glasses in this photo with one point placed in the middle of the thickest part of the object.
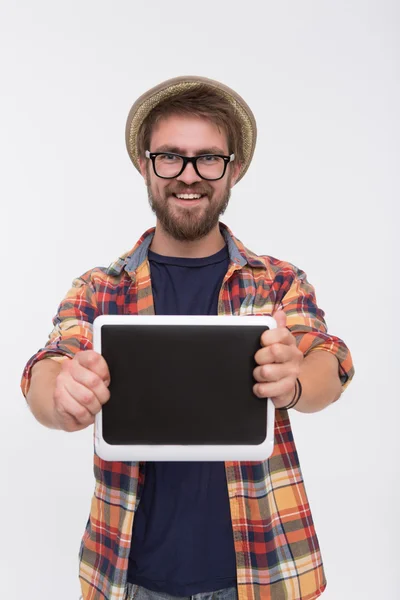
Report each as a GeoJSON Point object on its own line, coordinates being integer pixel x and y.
{"type": "Point", "coordinates": [169, 165]}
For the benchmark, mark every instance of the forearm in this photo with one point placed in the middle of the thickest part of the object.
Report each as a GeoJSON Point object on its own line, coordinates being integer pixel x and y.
{"type": "Point", "coordinates": [41, 392]}
{"type": "Point", "coordinates": [319, 377]}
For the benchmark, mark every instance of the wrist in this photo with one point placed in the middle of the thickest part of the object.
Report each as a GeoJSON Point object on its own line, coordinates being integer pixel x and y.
{"type": "Point", "coordinates": [295, 397]}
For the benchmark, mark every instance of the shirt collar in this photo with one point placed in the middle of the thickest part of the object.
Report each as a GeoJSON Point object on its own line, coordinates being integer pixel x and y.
{"type": "Point", "coordinates": [131, 261]}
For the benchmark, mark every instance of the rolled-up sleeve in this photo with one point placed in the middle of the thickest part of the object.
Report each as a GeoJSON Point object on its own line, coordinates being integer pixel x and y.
{"type": "Point", "coordinates": [306, 322]}
{"type": "Point", "coordinates": [72, 327]}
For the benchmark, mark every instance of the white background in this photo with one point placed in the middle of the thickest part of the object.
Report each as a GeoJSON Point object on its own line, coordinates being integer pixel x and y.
{"type": "Point", "coordinates": [322, 78]}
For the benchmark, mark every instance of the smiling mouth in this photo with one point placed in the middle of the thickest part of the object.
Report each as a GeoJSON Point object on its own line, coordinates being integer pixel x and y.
{"type": "Point", "coordinates": [189, 196]}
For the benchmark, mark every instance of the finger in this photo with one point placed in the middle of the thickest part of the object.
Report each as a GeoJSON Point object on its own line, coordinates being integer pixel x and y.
{"type": "Point", "coordinates": [275, 372]}
{"type": "Point", "coordinates": [70, 423]}
{"type": "Point", "coordinates": [70, 411]}
{"type": "Point", "coordinates": [94, 362]}
{"type": "Point", "coordinates": [277, 353]}
{"type": "Point", "coordinates": [280, 318]}
{"type": "Point", "coordinates": [279, 335]}
{"type": "Point", "coordinates": [90, 380]}
{"type": "Point", "coordinates": [83, 399]}
{"type": "Point", "coordinates": [274, 389]}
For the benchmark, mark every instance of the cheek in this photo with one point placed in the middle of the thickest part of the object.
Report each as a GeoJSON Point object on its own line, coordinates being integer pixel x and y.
{"type": "Point", "coordinates": [161, 188]}
{"type": "Point", "coordinates": [220, 188]}
{"type": "Point", "coordinates": [157, 186]}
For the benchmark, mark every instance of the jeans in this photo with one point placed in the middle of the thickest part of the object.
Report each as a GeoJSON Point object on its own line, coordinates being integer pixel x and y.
{"type": "Point", "coordinates": [136, 592]}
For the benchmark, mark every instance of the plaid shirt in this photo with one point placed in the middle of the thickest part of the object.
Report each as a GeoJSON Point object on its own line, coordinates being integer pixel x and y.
{"type": "Point", "coordinates": [277, 551]}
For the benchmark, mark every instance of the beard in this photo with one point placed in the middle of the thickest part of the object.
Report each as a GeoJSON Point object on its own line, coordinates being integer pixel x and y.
{"type": "Point", "coordinates": [192, 223]}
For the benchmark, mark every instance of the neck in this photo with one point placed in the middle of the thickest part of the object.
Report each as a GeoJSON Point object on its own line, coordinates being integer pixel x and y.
{"type": "Point", "coordinates": [163, 243]}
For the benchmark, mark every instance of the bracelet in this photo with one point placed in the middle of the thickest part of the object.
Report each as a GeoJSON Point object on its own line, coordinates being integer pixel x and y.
{"type": "Point", "coordinates": [297, 395]}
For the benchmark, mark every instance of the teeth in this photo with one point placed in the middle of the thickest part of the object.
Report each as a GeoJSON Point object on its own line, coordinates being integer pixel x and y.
{"type": "Point", "coordinates": [188, 196]}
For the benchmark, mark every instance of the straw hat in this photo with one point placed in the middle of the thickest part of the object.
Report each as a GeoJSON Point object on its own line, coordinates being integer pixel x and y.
{"type": "Point", "coordinates": [144, 105]}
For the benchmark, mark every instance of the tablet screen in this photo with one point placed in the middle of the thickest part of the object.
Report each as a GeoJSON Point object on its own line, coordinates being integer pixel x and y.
{"type": "Point", "coordinates": [188, 384]}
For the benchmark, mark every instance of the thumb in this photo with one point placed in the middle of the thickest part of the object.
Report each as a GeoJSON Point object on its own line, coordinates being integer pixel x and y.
{"type": "Point", "coordinates": [280, 318]}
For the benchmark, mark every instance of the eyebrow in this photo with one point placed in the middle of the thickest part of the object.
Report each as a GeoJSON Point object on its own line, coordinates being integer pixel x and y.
{"type": "Point", "coordinates": [177, 150]}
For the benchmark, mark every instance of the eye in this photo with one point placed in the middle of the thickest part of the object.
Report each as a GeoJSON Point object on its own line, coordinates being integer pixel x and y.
{"type": "Point", "coordinates": [168, 158]}
{"type": "Point", "coordinates": [208, 159]}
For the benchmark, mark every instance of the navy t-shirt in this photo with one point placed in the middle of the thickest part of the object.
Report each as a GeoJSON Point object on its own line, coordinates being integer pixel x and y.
{"type": "Point", "coordinates": [182, 538]}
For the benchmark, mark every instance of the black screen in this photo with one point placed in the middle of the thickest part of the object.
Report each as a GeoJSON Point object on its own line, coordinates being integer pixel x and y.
{"type": "Point", "coordinates": [182, 384]}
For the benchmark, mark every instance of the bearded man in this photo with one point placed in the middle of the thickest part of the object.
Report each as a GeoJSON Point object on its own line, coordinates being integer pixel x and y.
{"type": "Point", "coordinates": [165, 530]}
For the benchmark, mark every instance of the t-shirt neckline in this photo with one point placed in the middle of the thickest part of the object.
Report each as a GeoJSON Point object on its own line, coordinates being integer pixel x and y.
{"type": "Point", "coordinates": [218, 257]}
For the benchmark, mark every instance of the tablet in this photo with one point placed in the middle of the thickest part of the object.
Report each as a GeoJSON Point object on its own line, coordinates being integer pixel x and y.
{"type": "Point", "coordinates": [182, 389]}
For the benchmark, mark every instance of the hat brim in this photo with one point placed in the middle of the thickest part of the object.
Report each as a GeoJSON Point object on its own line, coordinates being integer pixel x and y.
{"type": "Point", "coordinates": [149, 100]}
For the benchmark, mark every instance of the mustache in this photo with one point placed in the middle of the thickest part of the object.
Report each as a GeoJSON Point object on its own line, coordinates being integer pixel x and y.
{"type": "Point", "coordinates": [181, 188]}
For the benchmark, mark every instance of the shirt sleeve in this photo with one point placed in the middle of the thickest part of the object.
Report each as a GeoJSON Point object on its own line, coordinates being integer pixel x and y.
{"type": "Point", "coordinates": [72, 328]}
{"type": "Point", "coordinates": [306, 322]}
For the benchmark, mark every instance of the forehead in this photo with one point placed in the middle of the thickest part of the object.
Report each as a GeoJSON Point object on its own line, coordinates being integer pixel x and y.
{"type": "Point", "coordinates": [189, 134]}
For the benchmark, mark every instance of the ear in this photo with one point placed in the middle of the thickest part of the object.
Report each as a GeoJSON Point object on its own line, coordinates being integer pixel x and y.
{"type": "Point", "coordinates": [142, 165]}
{"type": "Point", "coordinates": [235, 173]}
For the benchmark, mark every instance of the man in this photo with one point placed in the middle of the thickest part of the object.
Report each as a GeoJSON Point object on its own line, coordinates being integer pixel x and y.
{"type": "Point", "coordinates": [165, 530]}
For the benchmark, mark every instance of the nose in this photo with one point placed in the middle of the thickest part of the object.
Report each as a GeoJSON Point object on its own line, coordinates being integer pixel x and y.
{"type": "Point", "coordinates": [189, 175]}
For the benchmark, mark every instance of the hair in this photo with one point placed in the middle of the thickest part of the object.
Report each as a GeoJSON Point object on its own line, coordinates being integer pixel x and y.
{"type": "Point", "coordinates": [200, 101]}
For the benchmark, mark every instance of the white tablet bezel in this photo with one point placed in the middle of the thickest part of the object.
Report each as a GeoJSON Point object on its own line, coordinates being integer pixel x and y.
{"type": "Point", "coordinates": [182, 452]}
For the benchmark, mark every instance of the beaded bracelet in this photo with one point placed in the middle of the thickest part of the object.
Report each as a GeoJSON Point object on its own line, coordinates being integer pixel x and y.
{"type": "Point", "coordinates": [297, 395]}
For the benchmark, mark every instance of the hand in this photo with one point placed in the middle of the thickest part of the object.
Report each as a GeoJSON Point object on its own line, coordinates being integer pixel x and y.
{"type": "Point", "coordinates": [81, 390]}
{"type": "Point", "coordinates": [279, 363]}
